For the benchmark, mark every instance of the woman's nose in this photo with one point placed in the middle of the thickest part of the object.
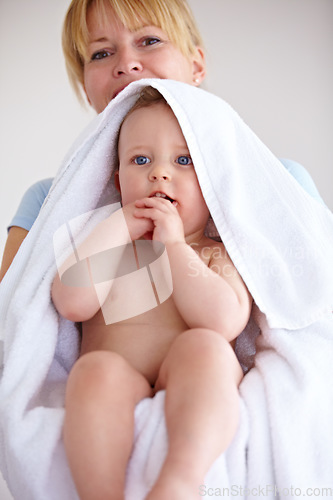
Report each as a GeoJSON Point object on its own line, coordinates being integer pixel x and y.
{"type": "Point", "coordinates": [126, 63]}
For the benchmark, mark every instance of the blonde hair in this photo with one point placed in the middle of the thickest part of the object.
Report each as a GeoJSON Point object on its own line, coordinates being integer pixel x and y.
{"type": "Point", "coordinates": [172, 16]}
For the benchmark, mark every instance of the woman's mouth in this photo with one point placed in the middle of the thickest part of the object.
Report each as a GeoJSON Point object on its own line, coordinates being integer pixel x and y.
{"type": "Point", "coordinates": [118, 91]}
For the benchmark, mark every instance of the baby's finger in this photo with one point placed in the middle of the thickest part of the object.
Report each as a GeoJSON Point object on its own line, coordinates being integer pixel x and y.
{"type": "Point", "coordinates": [140, 203]}
{"type": "Point", "coordinates": [155, 214]}
{"type": "Point", "coordinates": [144, 212]}
{"type": "Point", "coordinates": [159, 203]}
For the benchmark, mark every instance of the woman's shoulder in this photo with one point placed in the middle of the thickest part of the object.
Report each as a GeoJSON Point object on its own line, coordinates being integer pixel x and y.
{"type": "Point", "coordinates": [40, 188]}
{"type": "Point", "coordinates": [31, 204]}
{"type": "Point", "coordinates": [302, 176]}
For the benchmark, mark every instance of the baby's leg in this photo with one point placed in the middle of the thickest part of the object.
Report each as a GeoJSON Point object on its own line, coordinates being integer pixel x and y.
{"type": "Point", "coordinates": [102, 392]}
{"type": "Point", "coordinates": [201, 375]}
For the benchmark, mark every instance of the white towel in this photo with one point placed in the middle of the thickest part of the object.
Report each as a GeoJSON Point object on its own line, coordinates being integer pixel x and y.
{"type": "Point", "coordinates": [281, 242]}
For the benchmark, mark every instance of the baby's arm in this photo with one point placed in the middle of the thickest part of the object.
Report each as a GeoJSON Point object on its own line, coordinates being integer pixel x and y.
{"type": "Point", "coordinates": [80, 303]}
{"type": "Point", "coordinates": [212, 297]}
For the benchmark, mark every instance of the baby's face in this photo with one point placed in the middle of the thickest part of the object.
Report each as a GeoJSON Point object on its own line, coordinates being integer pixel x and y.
{"type": "Point", "coordinates": [154, 160]}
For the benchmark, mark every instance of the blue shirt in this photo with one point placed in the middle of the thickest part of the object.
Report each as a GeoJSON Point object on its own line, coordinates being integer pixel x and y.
{"type": "Point", "coordinates": [31, 204]}
{"type": "Point", "coordinates": [34, 197]}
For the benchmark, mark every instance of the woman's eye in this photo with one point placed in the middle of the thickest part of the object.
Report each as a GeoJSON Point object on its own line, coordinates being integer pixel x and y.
{"type": "Point", "coordinates": [151, 40]}
{"type": "Point", "coordinates": [184, 160]}
{"type": "Point", "coordinates": [141, 160]}
{"type": "Point", "coordinates": [100, 54]}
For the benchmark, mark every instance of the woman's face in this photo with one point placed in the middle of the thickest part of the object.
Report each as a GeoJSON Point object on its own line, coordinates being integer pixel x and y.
{"type": "Point", "coordinates": [118, 57]}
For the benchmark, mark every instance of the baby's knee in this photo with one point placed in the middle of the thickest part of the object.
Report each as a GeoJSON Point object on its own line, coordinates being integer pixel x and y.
{"type": "Point", "coordinates": [202, 341]}
{"type": "Point", "coordinates": [96, 368]}
{"type": "Point", "coordinates": [106, 372]}
{"type": "Point", "coordinates": [208, 347]}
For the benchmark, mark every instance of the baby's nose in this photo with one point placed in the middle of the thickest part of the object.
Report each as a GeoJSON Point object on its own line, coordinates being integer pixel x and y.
{"type": "Point", "coordinates": [159, 172]}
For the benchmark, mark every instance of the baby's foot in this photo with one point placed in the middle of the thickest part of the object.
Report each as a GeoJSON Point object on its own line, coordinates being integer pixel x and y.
{"type": "Point", "coordinates": [175, 489]}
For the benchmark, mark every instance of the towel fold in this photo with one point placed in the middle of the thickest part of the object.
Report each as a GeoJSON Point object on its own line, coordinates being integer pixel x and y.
{"type": "Point", "coordinates": [281, 242]}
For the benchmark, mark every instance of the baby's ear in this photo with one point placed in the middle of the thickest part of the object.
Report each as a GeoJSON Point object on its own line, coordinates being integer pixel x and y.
{"type": "Point", "coordinates": [116, 181]}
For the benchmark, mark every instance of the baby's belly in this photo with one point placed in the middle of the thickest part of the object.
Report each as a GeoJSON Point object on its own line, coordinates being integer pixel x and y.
{"type": "Point", "coordinates": [143, 341]}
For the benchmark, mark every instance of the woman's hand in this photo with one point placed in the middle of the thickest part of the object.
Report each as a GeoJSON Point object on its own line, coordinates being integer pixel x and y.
{"type": "Point", "coordinates": [167, 226]}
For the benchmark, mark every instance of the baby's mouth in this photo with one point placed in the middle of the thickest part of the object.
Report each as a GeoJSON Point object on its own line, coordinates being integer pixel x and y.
{"type": "Point", "coordinates": [163, 195]}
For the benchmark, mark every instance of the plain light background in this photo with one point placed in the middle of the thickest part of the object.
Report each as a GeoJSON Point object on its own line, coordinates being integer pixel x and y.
{"type": "Point", "coordinates": [270, 59]}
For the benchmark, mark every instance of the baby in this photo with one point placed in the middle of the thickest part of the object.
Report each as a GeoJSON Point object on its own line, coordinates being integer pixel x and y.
{"type": "Point", "coordinates": [183, 345]}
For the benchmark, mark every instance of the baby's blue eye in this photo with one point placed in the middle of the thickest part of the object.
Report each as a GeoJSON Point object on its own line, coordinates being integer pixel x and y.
{"type": "Point", "coordinates": [141, 160]}
{"type": "Point", "coordinates": [184, 160]}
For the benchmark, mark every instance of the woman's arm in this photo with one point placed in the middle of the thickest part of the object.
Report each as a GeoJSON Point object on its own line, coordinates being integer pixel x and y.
{"type": "Point", "coordinates": [15, 237]}
{"type": "Point", "coordinates": [26, 214]}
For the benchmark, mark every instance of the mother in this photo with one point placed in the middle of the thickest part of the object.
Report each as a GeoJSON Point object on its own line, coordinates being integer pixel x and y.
{"type": "Point", "coordinates": [109, 44]}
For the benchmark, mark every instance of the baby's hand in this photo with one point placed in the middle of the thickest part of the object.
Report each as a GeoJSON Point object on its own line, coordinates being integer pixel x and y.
{"type": "Point", "coordinates": [167, 224]}
{"type": "Point", "coordinates": [137, 227]}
